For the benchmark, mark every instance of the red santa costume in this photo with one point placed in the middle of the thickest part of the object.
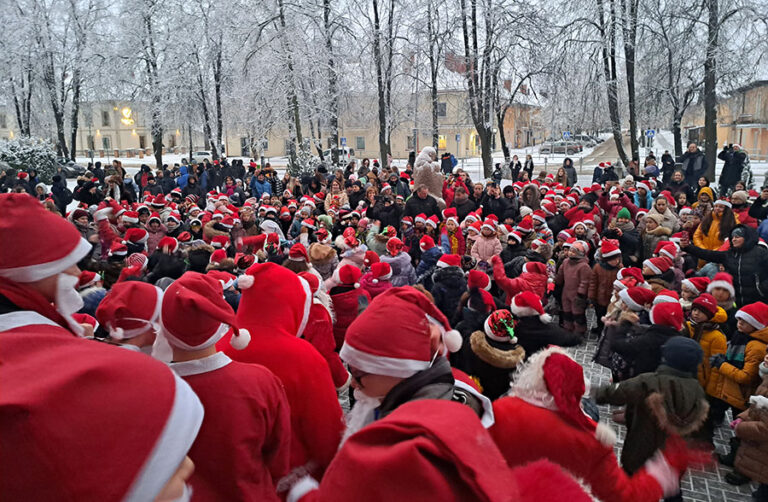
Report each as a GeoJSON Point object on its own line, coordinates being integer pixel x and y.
{"type": "Point", "coordinates": [274, 307]}
{"type": "Point", "coordinates": [57, 386]}
{"type": "Point", "coordinates": [130, 309]}
{"type": "Point", "coordinates": [542, 419]}
{"type": "Point", "coordinates": [242, 449]}
{"type": "Point", "coordinates": [319, 332]}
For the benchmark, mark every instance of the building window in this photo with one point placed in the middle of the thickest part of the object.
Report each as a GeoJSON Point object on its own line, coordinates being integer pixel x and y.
{"type": "Point", "coordinates": [3, 121]}
{"type": "Point", "coordinates": [106, 143]}
{"type": "Point", "coordinates": [264, 144]}
{"type": "Point", "coordinates": [104, 119]}
{"type": "Point", "coordinates": [360, 142]}
{"type": "Point", "coordinates": [442, 142]}
{"type": "Point", "coordinates": [441, 109]}
{"type": "Point", "coordinates": [142, 142]}
{"type": "Point", "coordinates": [411, 143]}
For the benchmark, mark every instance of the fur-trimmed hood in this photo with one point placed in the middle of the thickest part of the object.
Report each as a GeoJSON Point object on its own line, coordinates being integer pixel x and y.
{"type": "Point", "coordinates": [674, 416]}
{"type": "Point", "coordinates": [498, 358]}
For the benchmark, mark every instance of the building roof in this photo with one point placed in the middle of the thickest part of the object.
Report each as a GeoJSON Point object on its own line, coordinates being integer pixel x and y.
{"type": "Point", "coordinates": [751, 85]}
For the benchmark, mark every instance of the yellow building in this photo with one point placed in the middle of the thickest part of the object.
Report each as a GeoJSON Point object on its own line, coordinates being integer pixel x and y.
{"type": "Point", "coordinates": [742, 118]}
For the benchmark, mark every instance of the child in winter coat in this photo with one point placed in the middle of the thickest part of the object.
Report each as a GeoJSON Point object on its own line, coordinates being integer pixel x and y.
{"type": "Point", "coordinates": [487, 245]}
{"type": "Point", "coordinates": [429, 255]}
{"type": "Point", "coordinates": [574, 276]}
{"type": "Point", "coordinates": [451, 236]}
{"type": "Point", "coordinates": [448, 284]}
{"type": "Point", "coordinates": [376, 281]}
{"type": "Point", "coordinates": [534, 328]}
{"type": "Point", "coordinates": [608, 263]}
{"type": "Point", "coordinates": [667, 401]}
{"type": "Point", "coordinates": [752, 429]}
{"type": "Point", "coordinates": [689, 291]}
{"type": "Point", "coordinates": [533, 278]}
{"type": "Point", "coordinates": [721, 287]}
{"type": "Point", "coordinates": [658, 273]}
{"type": "Point", "coordinates": [653, 233]}
{"type": "Point", "coordinates": [403, 273]}
{"type": "Point", "coordinates": [156, 231]}
{"type": "Point", "coordinates": [495, 354]}
{"type": "Point", "coordinates": [348, 300]}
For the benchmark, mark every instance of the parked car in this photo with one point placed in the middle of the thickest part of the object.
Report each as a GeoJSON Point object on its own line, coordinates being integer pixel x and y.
{"type": "Point", "coordinates": [70, 169]}
{"type": "Point", "coordinates": [585, 140]}
{"type": "Point", "coordinates": [566, 147]}
{"type": "Point", "coordinates": [345, 154]}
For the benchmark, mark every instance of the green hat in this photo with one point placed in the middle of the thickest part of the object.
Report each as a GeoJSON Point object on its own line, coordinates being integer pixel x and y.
{"type": "Point", "coordinates": [624, 213]}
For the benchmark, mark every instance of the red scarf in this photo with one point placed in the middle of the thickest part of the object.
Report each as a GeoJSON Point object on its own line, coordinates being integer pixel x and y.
{"type": "Point", "coordinates": [27, 298]}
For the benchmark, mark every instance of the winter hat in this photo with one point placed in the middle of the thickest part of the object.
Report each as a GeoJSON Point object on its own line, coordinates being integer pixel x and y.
{"type": "Point", "coordinates": [154, 217]}
{"type": "Point", "coordinates": [535, 267]}
{"type": "Point", "coordinates": [754, 314]}
{"type": "Point", "coordinates": [636, 297]}
{"type": "Point", "coordinates": [87, 279]}
{"type": "Point", "coordinates": [136, 235]}
{"type": "Point", "coordinates": [169, 243]}
{"type": "Point", "coordinates": [451, 214]}
{"type": "Point", "coordinates": [540, 216]}
{"type": "Point", "coordinates": [399, 346]}
{"type": "Point", "coordinates": [668, 249]}
{"type": "Point", "coordinates": [426, 243]}
{"type": "Point", "coordinates": [381, 271]}
{"type": "Point", "coordinates": [226, 279]}
{"type": "Point", "coordinates": [526, 225]}
{"type": "Point", "coordinates": [394, 246]}
{"type": "Point", "coordinates": [697, 285]}
{"type": "Point", "coordinates": [609, 248]}
{"type": "Point", "coordinates": [723, 202]}
{"type": "Point", "coordinates": [581, 247]}
{"type": "Point", "coordinates": [722, 280]}
{"type": "Point", "coordinates": [658, 265]}
{"type": "Point", "coordinates": [298, 253]}
{"type": "Point", "coordinates": [475, 226]}
{"type": "Point", "coordinates": [26, 225]}
{"type": "Point", "coordinates": [420, 218]}
{"type": "Point", "coordinates": [449, 260]}
{"type": "Point", "coordinates": [633, 272]}
{"type": "Point", "coordinates": [117, 249]}
{"type": "Point", "coordinates": [349, 275]}
{"type": "Point", "coordinates": [682, 353]}
{"type": "Point", "coordinates": [196, 315]}
{"type": "Point", "coordinates": [514, 235]}
{"type": "Point", "coordinates": [490, 224]}
{"type": "Point", "coordinates": [131, 217]}
{"type": "Point", "coordinates": [668, 314]}
{"type": "Point", "coordinates": [218, 256]}
{"type": "Point", "coordinates": [478, 279]}
{"type": "Point", "coordinates": [527, 304]}
{"type": "Point", "coordinates": [500, 326]}
{"type": "Point", "coordinates": [370, 258]}
{"type": "Point", "coordinates": [666, 295]}
{"type": "Point", "coordinates": [129, 309]}
{"type": "Point", "coordinates": [432, 221]}
{"type": "Point", "coordinates": [220, 241]}
{"type": "Point", "coordinates": [706, 303]}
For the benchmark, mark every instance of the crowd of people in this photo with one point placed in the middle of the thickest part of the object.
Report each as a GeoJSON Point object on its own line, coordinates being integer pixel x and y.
{"type": "Point", "coordinates": [216, 331]}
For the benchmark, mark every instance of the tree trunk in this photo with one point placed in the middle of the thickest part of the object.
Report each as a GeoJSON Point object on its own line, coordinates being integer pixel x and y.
{"type": "Point", "coordinates": [191, 146]}
{"type": "Point", "coordinates": [434, 57]}
{"type": "Point", "coordinates": [630, 36]}
{"type": "Point", "coordinates": [217, 77]}
{"type": "Point", "coordinates": [677, 132]}
{"type": "Point", "coordinates": [75, 112]}
{"type": "Point", "coordinates": [609, 72]}
{"type": "Point", "coordinates": [710, 87]}
{"type": "Point", "coordinates": [503, 137]}
{"type": "Point", "coordinates": [293, 98]}
{"type": "Point", "coordinates": [333, 98]}
{"type": "Point", "coordinates": [486, 149]}
{"type": "Point", "coordinates": [380, 86]}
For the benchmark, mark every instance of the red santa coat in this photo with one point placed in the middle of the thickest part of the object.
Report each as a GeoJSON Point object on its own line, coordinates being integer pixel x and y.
{"type": "Point", "coordinates": [242, 449]}
{"type": "Point", "coordinates": [526, 281]}
{"type": "Point", "coordinates": [346, 306]}
{"type": "Point", "coordinates": [526, 433]}
{"type": "Point", "coordinates": [274, 321]}
{"type": "Point", "coordinates": [431, 450]}
{"type": "Point", "coordinates": [319, 332]}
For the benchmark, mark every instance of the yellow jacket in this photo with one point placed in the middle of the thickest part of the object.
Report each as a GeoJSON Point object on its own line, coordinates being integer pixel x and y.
{"type": "Point", "coordinates": [734, 385]}
{"type": "Point", "coordinates": [710, 240]}
{"type": "Point", "coordinates": [712, 341]}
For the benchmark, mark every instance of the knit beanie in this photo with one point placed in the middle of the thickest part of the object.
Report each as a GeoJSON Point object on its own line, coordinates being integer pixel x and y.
{"type": "Point", "coordinates": [624, 213]}
{"type": "Point", "coordinates": [682, 353]}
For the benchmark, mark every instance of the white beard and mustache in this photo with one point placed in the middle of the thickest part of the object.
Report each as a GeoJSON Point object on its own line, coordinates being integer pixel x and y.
{"type": "Point", "coordinates": [361, 414]}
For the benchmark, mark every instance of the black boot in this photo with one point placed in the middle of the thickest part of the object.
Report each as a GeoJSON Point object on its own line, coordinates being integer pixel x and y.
{"type": "Point", "coordinates": [730, 457]}
{"type": "Point", "coordinates": [736, 478]}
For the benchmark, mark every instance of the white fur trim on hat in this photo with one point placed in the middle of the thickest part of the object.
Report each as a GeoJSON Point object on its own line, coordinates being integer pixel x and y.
{"type": "Point", "coordinates": [649, 264]}
{"type": "Point", "coordinates": [307, 305]}
{"type": "Point", "coordinates": [381, 365]}
{"type": "Point", "coordinates": [722, 284]}
{"type": "Point", "coordinates": [688, 284]}
{"type": "Point", "coordinates": [38, 271]}
{"type": "Point", "coordinates": [721, 202]}
{"type": "Point", "coordinates": [489, 333]}
{"type": "Point", "coordinates": [629, 302]}
{"type": "Point", "coordinates": [215, 337]}
{"type": "Point", "coordinates": [749, 320]}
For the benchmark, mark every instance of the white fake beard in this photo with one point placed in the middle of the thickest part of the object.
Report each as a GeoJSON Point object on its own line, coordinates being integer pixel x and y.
{"type": "Point", "coordinates": [68, 301]}
{"type": "Point", "coordinates": [360, 415]}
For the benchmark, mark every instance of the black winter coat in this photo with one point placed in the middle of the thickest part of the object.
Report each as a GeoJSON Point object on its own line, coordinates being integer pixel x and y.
{"type": "Point", "coordinates": [415, 205]}
{"type": "Point", "coordinates": [462, 210]}
{"type": "Point", "coordinates": [643, 352]}
{"type": "Point", "coordinates": [497, 206]}
{"type": "Point", "coordinates": [493, 363]}
{"type": "Point", "coordinates": [694, 166]}
{"type": "Point", "coordinates": [734, 164]}
{"type": "Point", "coordinates": [448, 284]}
{"type": "Point", "coordinates": [747, 265]}
{"type": "Point", "coordinates": [533, 335]}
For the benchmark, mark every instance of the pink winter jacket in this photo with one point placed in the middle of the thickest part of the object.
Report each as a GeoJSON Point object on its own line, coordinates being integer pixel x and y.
{"type": "Point", "coordinates": [374, 288]}
{"type": "Point", "coordinates": [485, 248]}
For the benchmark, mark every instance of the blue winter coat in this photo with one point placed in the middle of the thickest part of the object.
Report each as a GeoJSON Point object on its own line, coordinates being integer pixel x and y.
{"type": "Point", "coordinates": [258, 188]}
{"type": "Point", "coordinates": [428, 261]}
{"type": "Point", "coordinates": [181, 181]}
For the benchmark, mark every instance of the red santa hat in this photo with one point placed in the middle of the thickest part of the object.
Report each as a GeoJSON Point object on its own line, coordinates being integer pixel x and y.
{"type": "Point", "coordinates": [535, 267]}
{"type": "Point", "coordinates": [706, 303]}
{"type": "Point", "coordinates": [420, 218]}
{"type": "Point", "coordinates": [514, 234]}
{"type": "Point", "coordinates": [118, 249]}
{"type": "Point", "coordinates": [370, 258]}
{"type": "Point", "coordinates": [666, 295]}
{"type": "Point", "coordinates": [136, 235]}
{"type": "Point", "coordinates": [722, 280]}
{"type": "Point", "coordinates": [500, 326]}
{"type": "Point", "coordinates": [526, 225]}
{"type": "Point", "coordinates": [226, 279]}
{"type": "Point", "coordinates": [528, 304]}
{"type": "Point", "coordinates": [381, 271]}
{"type": "Point", "coordinates": [24, 225]}
{"type": "Point", "coordinates": [51, 401]}
{"type": "Point", "coordinates": [312, 280]}
{"type": "Point", "coordinates": [636, 297]}
{"type": "Point", "coordinates": [478, 279]}
{"type": "Point", "coordinates": [668, 314]}
{"type": "Point", "coordinates": [551, 372]}
{"type": "Point", "coordinates": [220, 241]}
{"type": "Point", "coordinates": [129, 309]}
{"type": "Point", "coordinates": [274, 293]}
{"type": "Point", "coordinates": [475, 226]}
{"type": "Point", "coordinates": [669, 250]}
{"type": "Point", "coordinates": [256, 242]}
{"type": "Point", "coordinates": [658, 265]}
{"type": "Point", "coordinates": [451, 214]}
{"type": "Point", "coordinates": [426, 243]}
{"type": "Point", "coordinates": [196, 315]}
{"type": "Point", "coordinates": [349, 275]}
{"type": "Point", "coordinates": [154, 217]}
{"type": "Point", "coordinates": [169, 243]}
{"type": "Point", "coordinates": [754, 314]}
{"type": "Point", "coordinates": [400, 346]}
{"type": "Point", "coordinates": [449, 260]}
{"type": "Point", "coordinates": [298, 253]}
{"type": "Point", "coordinates": [490, 224]}
{"type": "Point", "coordinates": [394, 246]}
{"type": "Point", "coordinates": [540, 216]}
{"type": "Point", "coordinates": [697, 285]}
{"type": "Point", "coordinates": [432, 221]}
{"type": "Point", "coordinates": [723, 202]}
{"type": "Point", "coordinates": [87, 279]}
{"type": "Point", "coordinates": [131, 217]}
{"type": "Point", "coordinates": [609, 248]}
{"type": "Point", "coordinates": [217, 256]}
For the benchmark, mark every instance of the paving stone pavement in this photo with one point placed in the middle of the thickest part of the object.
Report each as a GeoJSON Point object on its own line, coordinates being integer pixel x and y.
{"type": "Point", "coordinates": [708, 485]}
